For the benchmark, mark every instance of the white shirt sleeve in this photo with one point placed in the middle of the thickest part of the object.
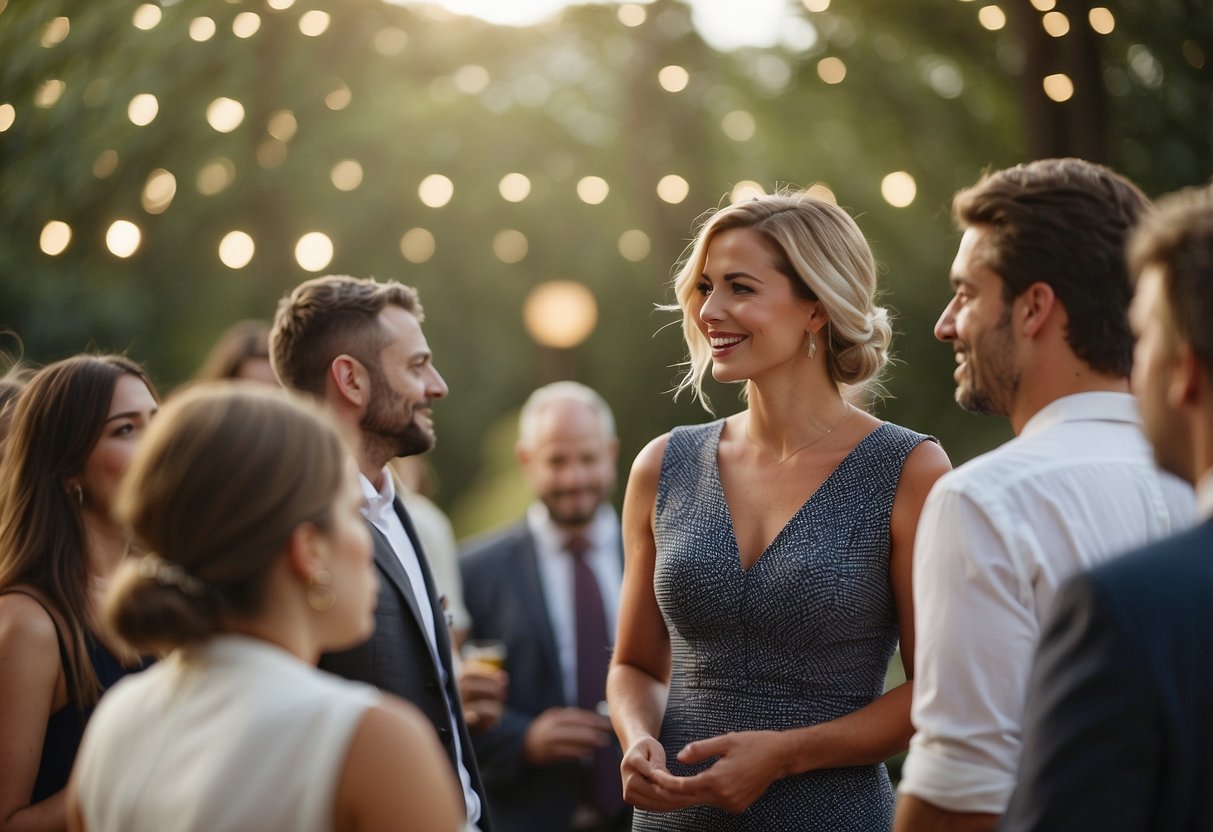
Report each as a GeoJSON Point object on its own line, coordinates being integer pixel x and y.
{"type": "Point", "coordinates": [976, 633]}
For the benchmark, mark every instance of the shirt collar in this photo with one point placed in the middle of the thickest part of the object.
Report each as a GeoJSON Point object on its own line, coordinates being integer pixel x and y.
{"type": "Point", "coordinates": [1084, 407]}
{"type": "Point", "coordinates": [1204, 495]}
{"type": "Point", "coordinates": [377, 499]}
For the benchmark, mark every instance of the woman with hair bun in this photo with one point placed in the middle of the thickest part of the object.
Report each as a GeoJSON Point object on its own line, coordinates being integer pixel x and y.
{"type": "Point", "coordinates": [257, 560]}
{"type": "Point", "coordinates": [768, 553]}
{"type": "Point", "coordinates": [74, 428]}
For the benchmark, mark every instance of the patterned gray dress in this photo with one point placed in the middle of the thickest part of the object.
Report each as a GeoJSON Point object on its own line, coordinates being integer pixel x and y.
{"type": "Point", "coordinates": [803, 636]}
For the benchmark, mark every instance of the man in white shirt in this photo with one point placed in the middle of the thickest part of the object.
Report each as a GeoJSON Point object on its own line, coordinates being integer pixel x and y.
{"type": "Point", "coordinates": [1039, 328]}
{"type": "Point", "coordinates": [1119, 735]}
{"type": "Point", "coordinates": [357, 347]}
{"type": "Point", "coordinates": [548, 587]}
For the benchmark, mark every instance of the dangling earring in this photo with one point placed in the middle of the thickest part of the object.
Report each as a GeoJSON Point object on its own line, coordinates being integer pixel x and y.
{"type": "Point", "coordinates": [811, 345]}
{"type": "Point", "coordinates": [320, 594]}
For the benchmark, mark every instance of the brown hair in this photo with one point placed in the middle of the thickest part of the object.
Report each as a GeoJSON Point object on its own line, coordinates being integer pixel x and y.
{"type": "Point", "coordinates": [240, 342]}
{"type": "Point", "coordinates": [1178, 238]}
{"type": "Point", "coordinates": [224, 475]}
{"type": "Point", "coordinates": [326, 317]}
{"type": "Point", "coordinates": [1063, 222]}
{"type": "Point", "coordinates": [58, 419]}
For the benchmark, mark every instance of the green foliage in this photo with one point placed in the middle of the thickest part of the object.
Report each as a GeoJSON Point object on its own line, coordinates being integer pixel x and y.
{"type": "Point", "coordinates": [407, 93]}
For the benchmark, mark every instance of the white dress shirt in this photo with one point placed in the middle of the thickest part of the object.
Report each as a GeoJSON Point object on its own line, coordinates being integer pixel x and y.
{"type": "Point", "coordinates": [379, 510]}
{"type": "Point", "coordinates": [996, 537]}
{"type": "Point", "coordinates": [556, 575]}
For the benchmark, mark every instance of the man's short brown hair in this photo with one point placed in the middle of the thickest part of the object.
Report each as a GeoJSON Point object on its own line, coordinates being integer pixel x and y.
{"type": "Point", "coordinates": [1063, 222]}
{"type": "Point", "coordinates": [1177, 237]}
{"type": "Point", "coordinates": [328, 316]}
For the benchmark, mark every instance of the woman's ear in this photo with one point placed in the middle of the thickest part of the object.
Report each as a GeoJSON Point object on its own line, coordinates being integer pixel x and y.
{"type": "Point", "coordinates": [305, 550]}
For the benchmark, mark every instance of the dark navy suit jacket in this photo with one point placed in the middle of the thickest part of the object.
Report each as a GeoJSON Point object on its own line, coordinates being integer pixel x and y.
{"type": "Point", "coordinates": [504, 596]}
{"type": "Point", "coordinates": [1119, 732]}
{"type": "Point", "coordinates": [398, 659]}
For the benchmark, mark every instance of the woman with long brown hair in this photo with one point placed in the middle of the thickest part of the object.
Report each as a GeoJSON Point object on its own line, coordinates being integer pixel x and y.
{"type": "Point", "coordinates": [73, 431]}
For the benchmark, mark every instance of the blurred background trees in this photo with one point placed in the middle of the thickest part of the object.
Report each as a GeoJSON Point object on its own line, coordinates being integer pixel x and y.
{"type": "Point", "coordinates": [168, 168]}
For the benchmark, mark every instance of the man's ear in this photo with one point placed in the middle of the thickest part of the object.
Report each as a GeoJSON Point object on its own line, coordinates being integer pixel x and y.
{"type": "Point", "coordinates": [1188, 384]}
{"type": "Point", "coordinates": [350, 380]}
{"type": "Point", "coordinates": [1034, 307]}
{"type": "Point", "coordinates": [522, 453]}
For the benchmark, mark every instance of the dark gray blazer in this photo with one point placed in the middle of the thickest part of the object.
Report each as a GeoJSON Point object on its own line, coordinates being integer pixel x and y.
{"type": "Point", "coordinates": [397, 658]}
{"type": "Point", "coordinates": [1119, 732]}
{"type": "Point", "coordinates": [504, 595]}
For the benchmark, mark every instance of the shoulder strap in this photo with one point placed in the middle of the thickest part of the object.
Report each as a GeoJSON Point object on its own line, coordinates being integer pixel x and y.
{"type": "Point", "coordinates": [68, 676]}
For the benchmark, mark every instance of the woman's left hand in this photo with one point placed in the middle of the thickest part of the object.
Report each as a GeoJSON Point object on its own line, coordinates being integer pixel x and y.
{"type": "Point", "coordinates": [748, 762]}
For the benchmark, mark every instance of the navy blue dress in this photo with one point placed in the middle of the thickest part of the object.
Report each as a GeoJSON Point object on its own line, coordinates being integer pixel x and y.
{"type": "Point", "coordinates": [803, 636]}
{"type": "Point", "coordinates": [65, 727]}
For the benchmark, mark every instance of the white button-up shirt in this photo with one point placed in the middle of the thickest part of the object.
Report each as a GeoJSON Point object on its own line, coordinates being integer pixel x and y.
{"type": "Point", "coordinates": [996, 537]}
{"type": "Point", "coordinates": [380, 511]}
{"type": "Point", "coordinates": [556, 575]}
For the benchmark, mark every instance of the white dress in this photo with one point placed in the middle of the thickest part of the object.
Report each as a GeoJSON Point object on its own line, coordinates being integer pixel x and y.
{"type": "Point", "coordinates": [234, 735]}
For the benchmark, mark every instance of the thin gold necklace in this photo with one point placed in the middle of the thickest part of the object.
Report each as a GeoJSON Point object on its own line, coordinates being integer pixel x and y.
{"type": "Point", "coordinates": [831, 429]}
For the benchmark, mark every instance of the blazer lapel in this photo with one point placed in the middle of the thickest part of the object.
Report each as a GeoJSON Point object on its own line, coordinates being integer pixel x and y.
{"type": "Point", "coordinates": [389, 564]}
{"type": "Point", "coordinates": [441, 634]}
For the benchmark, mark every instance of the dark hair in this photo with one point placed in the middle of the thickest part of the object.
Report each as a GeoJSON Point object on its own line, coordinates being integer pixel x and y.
{"type": "Point", "coordinates": [328, 316]}
{"type": "Point", "coordinates": [1178, 238]}
{"type": "Point", "coordinates": [1063, 222]}
{"type": "Point", "coordinates": [224, 475]}
{"type": "Point", "coordinates": [241, 341]}
{"type": "Point", "coordinates": [58, 419]}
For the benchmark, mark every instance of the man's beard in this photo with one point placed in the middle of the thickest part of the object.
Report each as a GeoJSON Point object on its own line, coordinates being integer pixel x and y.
{"type": "Point", "coordinates": [389, 424]}
{"type": "Point", "coordinates": [993, 379]}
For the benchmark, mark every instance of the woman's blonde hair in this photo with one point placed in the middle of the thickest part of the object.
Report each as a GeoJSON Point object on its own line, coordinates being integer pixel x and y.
{"type": "Point", "coordinates": [823, 252]}
{"type": "Point", "coordinates": [220, 481]}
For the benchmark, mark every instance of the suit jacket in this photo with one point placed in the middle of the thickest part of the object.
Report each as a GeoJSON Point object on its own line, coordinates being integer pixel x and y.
{"type": "Point", "coordinates": [504, 594]}
{"type": "Point", "coordinates": [1119, 732]}
{"type": "Point", "coordinates": [397, 657]}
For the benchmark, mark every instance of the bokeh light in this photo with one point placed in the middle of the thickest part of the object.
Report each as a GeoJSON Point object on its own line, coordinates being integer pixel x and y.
{"type": "Point", "coordinates": [224, 114]}
{"type": "Point", "coordinates": [236, 249]}
{"type": "Point", "coordinates": [282, 125]}
{"type": "Point", "coordinates": [8, 115]}
{"type": "Point", "coordinates": [391, 41]}
{"type": "Point", "coordinates": [346, 175]}
{"type": "Point", "coordinates": [56, 31]}
{"type": "Point", "coordinates": [202, 29]}
{"type": "Point", "coordinates": [632, 14]}
{"type": "Point", "coordinates": [822, 191]}
{"type": "Point", "coordinates": [55, 237]}
{"type": "Point", "coordinates": [1056, 24]}
{"type": "Point", "coordinates": [592, 190]}
{"type": "Point", "coordinates": [899, 189]}
{"type": "Point", "coordinates": [514, 187]}
{"type": "Point", "coordinates": [745, 189]}
{"type": "Point", "coordinates": [1058, 87]}
{"type": "Point", "coordinates": [123, 238]}
{"type": "Point", "coordinates": [417, 245]}
{"type": "Point", "coordinates": [147, 16]}
{"type": "Point", "coordinates": [672, 188]}
{"type": "Point", "coordinates": [48, 93]}
{"type": "Point", "coordinates": [158, 191]}
{"type": "Point", "coordinates": [340, 97]}
{"type": "Point", "coordinates": [279, 5]}
{"type": "Point", "coordinates": [992, 17]}
{"type": "Point", "coordinates": [435, 190]}
{"type": "Point", "coordinates": [673, 78]}
{"type": "Point", "coordinates": [143, 109]}
{"type": "Point", "coordinates": [739, 125]}
{"type": "Point", "coordinates": [105, 164]}
{"type": "Point", "coordinates": [1044, 5]}
{"type": "Point", "coordinates": [560, 313]}
{"type": "Point", "coordinates": [634, 245]}
{"type": "Point", "coordinates": [471, 79]}
{"type": "Point", "coordinates": [832, 70]}
{"type": "Point", "coordinates": [216, 175]}
{"type": "Point", "coordinates": [246, 24]}
{"type": "Point", "coordinates": [816, 5]}
{"type": "Point", "coordinates": [510, 245]}
{"type": "Point", "coordinates": [1102, 20]}
{"type": "Point", "coordinates": [314, 251]}
{"type": "Point", "coordinates": [314, 23]}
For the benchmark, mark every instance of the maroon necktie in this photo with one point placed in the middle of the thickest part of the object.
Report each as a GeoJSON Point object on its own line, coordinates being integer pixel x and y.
{"type": "Point", "coordinates": [593, 660]}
